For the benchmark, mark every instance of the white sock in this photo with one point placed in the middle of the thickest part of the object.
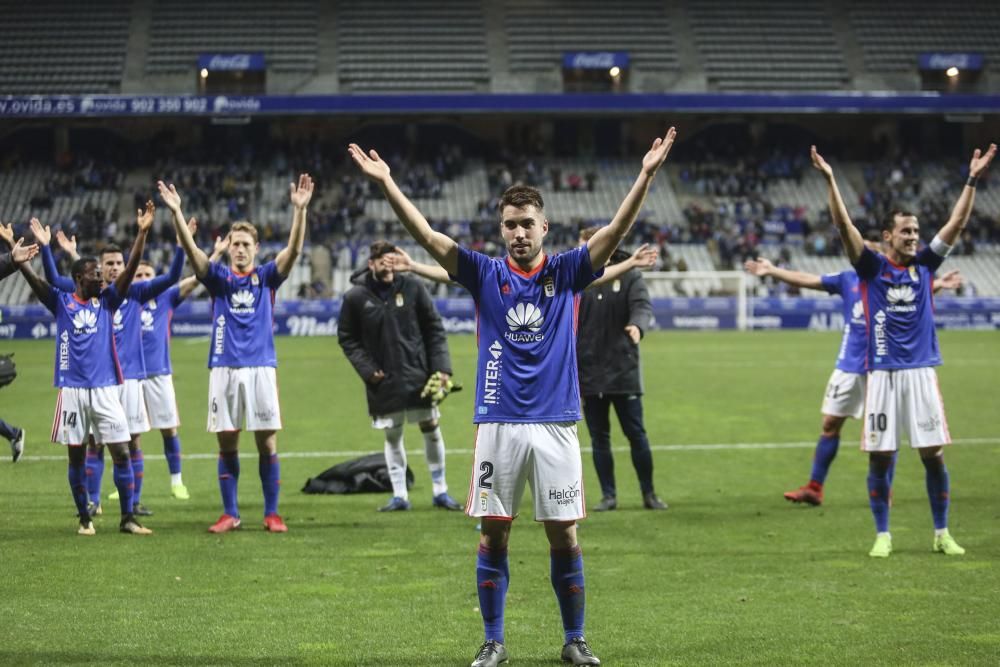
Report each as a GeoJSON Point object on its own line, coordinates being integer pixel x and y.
{"type": "Point", "coordinates": [175, 479]}
{"type": "Point", "coordinates": [434, 450]}
{"type": "Point", "coordinates": [395, 460]}
{"type": "Point", "coordinates": [938, 532]}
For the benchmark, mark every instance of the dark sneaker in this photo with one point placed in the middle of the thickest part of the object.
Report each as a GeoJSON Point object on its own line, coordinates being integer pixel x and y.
{"type": "Point", "coordinates": [578, 652]}
{"type": "Point", "coordinates": [86, 527]}
{"type": "Point", "coordinates": [444, 501]}
{"type": "Point", "coordinates": [141, 510]}
{"type": "Point", "coordinates": [396, 504]}
{"type": "Point", "coordinates": [132, 527]}
{"type": "Point", "coordinates": [490, 654]}
{"type": "Point", "coordinates": [17, 446]}
{"type": "Point", "coordinates": [607, 504]}
{"type": "Point", "coordinates": [651, 502]}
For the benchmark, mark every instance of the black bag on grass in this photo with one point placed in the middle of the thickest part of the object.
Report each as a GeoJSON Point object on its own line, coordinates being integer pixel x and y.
{"type": "Point", "coordinates": [368, 474]}
{"type": "Point", "coordinates": [8, 370]}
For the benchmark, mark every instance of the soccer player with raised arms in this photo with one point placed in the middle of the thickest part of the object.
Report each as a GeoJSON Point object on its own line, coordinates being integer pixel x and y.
{"type": "Point", "coordinates": [527, 392]}
{"type": "Point", "coordinates": [88, 373]}
{"type": "Point", "coordinates": [902, 395]}
{"type": "Point", "coordinates": [243, 384]}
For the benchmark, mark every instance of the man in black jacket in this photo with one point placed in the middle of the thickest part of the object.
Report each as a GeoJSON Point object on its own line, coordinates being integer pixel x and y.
{"type": "Point", "coordinates": [9, 261]}
{"type": "Point", "coordinates": [613, 317]}
{"type": "Point", "coordinates": [394, 338]}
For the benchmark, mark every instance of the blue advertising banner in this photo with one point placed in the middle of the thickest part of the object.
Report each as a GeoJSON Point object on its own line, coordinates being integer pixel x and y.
{"type": "Point", "coordinates": [942, 61]}
{"type": "Point", "coordinates": [319, 318]}
{"type": "Point", "coordinates": [595, 59]}
{"type": "Point", "coordinates": [115, 106]}
{"type": "Point", "coordinates": [232, 62]}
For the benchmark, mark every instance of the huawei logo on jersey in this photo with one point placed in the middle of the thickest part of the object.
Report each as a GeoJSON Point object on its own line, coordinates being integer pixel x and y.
{"type": "Point", "coordinates": [85, 321]}
{"type": "Point", "coordinates": [858, 311]}
{"type": "Point", "coordinates": [117, 320]}
{"type": "Point", "coordinates": [524, 320]}
{"type": "Point", "coordinates": [242, 301]}
{"type": "Point", "coordinates": [901, 299]}
{"type": "Point", "coordinates": [147, 320]}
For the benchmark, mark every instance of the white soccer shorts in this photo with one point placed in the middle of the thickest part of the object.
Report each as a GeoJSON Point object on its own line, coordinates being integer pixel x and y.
{"type": "Point", "coordinates": [903, 401]}
{"type": "Point", "coordinates": [80, 412]}
{"type": "Point", "coordinates": [546, 456]}
{"type": "Point", "coordinates": [161, 401]}
{"type": "Point", "coordinates": [131, 396]}
{"type": "Point", "coordinates": [845, 395]}
{"type": "Point", "coordinates": [238, 395]}
{"type": "Point", "coordinates": [411, 416]}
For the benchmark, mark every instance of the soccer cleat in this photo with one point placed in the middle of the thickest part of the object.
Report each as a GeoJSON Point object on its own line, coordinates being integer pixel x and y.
{"type": "Point", "coordinates": [806, 494]}
{"type": "Point", "coordinates": [17, 446]}
{"type": "Point", "coordinates": [132, 527]}
{"type": "Point", "coordinates": [395, 504]}
{"type": "Point", "coordinates": [93, 509]}
{"type": "Point", "coordinates": [578, 652]}
{"type": "Point", "coordinates": [882, 547]}
{"type": "Point", "coordinates": [947, 545]}
{"type": "Point", "coordinates": [141, 510]}
{"type": "Point", "coordinates": [113, 495]}
{"type": "Point", "coordinates": [86, 527]}
{"type": "Point", "coordinates": [274, 524]}
{"type": "Point", "coordinates": [180, 492]}
{"type": "Point", "coordinates": [444, 501]}
{"type": "Point", "coordinates": [607, 504]}
{"type": "Point", "coordinates": [651, 502]}
{"type": "Point", "coordinates": [225, 524]}
{"type": "Point", "coordinates": [490, 654]}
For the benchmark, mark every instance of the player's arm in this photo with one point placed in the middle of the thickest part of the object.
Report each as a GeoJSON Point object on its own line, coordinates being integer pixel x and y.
{"type": "Point", "coordinates": [143, 222]}
{"type": "Point", "coordinates": [300, 197]}
{"type": "Point", "coordinates": [351, 339]}
{"type": "Point", "coordinates": [849, 234]}
{"type": "Point", "coordinates": [67, 244]}
{"type": "Point", "coordinates": [19, 254]}
{"type": "Point", "coordinates": [403, 263]}
{"type": "Point", "coordinates": [189, 284]}
{"type": "Point", "coordinates": [43, 235]}
{"type": "Point", "coordinates": [951, 280]}
{"type": "Point", "coordinates": [197, 257]}
{"type": "Point", "coordinates": [644, 257]}
{"type": "Point", "coordinates": [441, 247]}
{"type": "Point", "coordinates": [41, 288]}
{"type": "Point", "coordinates": [952, 230]}
{"type": "Point", "coordinates": [762, 267]}
{"type": "Point", "coordinates": [607, 238]}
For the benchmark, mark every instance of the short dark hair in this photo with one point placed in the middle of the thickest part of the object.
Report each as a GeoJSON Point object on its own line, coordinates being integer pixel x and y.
{"type": "Point", "coordinates": [889, 223]}
{"type": "Point", "coordinates": [379, 248]}
{"type": "Point", "coordinates": [587, 232]}
{"type": "Point", "coordinates": [146, 262]}
{"type": "Point", "coordinates": [521, 196]}
{"type": "Point", "coordinates": [79, 267]}
{"type": "Point", "coordinates": [112, 248]}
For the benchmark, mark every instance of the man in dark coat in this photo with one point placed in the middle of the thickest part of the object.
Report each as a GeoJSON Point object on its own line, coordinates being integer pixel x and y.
{"type": "Point", "coordinates": [614, 314]}
{"type": "Point", "coordinates": [9, 262]}
{"type": "Point", "coordinates": [394, 338]}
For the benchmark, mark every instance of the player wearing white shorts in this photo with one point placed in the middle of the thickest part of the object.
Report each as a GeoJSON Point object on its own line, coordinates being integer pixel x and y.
{"type": "Point", "coordinates": [902, 394]}
{"type": "Point", "coordinates": [845, 390]}
{"type": "Point", "coordinates": [243, 388]}
{"type": "Point", "coordinates": [527, 392]}
{"type": "Point", "coordinates": [88, 373]}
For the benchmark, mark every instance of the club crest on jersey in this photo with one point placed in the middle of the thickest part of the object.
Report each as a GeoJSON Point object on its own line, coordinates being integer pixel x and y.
{"type": "Point", "coordinates": [242, 301]}
{"type": "Point", "coordinates": [399, 299]}
{"type": "Point", "coordinates": [117, 319]}
{"type": "Point", "coordinates": [549, 286]}
{"type": "Point", "coordinates": [524, 320]}
{"type": "Point", "coordinates": [914, 276]}
{"type": "Point", "coordinates": [254, 280]}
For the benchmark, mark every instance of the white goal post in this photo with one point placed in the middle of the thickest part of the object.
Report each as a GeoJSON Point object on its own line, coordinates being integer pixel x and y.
{"type": "Point", "coordinates": [725, 291]}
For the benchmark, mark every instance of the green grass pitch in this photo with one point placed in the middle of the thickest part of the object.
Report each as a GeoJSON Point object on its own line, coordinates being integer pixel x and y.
{"type": "Point", "coordinates": [730, 574]}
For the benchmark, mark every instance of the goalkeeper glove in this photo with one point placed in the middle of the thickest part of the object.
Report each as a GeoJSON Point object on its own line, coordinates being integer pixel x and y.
{"type": "Point", "coordinates": [438, 387]}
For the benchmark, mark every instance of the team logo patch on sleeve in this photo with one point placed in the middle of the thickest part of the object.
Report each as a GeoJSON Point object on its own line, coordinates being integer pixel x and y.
{"type": "Point", "coordinates": [549, 286]}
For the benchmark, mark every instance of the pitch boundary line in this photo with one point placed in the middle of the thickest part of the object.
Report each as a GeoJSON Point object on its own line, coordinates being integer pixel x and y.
{"type": "Point", "coordinates": [731, 446]}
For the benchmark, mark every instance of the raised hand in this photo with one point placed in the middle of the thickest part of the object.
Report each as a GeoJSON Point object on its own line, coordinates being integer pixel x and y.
{"type": "Point", "coordinates": [371, 164]}
{"type": "Point", "coordinates": [951, 280]}
{"type": "Point", "coordinates": [301, 195]}
{"type": "Point", "coordinates": [7, 234]}
{"type": "Point", "coordinates": [66, 243]}
{"type": "Point", "coordinates": [21, 253]}
{"type": "Point", "coordinates": [759, 267]}
{"type": "Point", "coordinates": [820, 163]}
{"type": "Point", "coordinates": [400, 260]}
{"type": "Point", "coordinates": [168, 193]}
{"type": "Point", "coordinates": [981, 161]}
{"type": "Point", "coordinates": [658, 152]}
{"type": "Point", "coordinates": [42, 234]}
{"type": "Point", "coordinates": [645, 256]}
{"type": "Point", "coordinates": [221, 246]}
{"type": "Point", "coordinates": [144, 218]}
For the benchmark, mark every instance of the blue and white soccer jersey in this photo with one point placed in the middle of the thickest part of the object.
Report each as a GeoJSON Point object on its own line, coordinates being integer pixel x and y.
{"type": "Point", "coordinates": [243, 383]}
{"type": "Point", "coordinates": [902, 396]}
{"type": "Point", "coordinates": [87, 370]}
{"type": "Point", "coordinates": [527, 392]}
{"type": "Point", "coordinates": [158, 387]}
{"type": "Point", "coordinates": [845, 390]}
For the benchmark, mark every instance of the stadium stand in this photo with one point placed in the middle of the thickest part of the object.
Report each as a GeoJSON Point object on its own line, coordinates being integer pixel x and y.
{"type": "Point", "coordinates": [61, 46]}
{"type": "Point", "coordinates": [412, 45]}
{"type": "Point", "coordinates": [775, 45]}
{"type": "Point", "coordinates": [285, 33]}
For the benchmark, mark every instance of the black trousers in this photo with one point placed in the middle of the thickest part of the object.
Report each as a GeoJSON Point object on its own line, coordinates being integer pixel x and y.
{"type": "Point", "coordinates": [628, 407]}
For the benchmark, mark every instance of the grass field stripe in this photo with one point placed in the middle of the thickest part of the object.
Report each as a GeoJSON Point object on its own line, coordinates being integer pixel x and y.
{"type": "Point", "coordinates": [732, 446]}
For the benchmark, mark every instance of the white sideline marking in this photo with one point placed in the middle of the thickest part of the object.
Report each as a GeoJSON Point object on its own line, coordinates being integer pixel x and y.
{"type": "Point", "coordinates": [451, 451]}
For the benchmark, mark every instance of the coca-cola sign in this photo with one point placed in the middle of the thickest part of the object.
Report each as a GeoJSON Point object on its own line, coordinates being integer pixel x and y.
{"type": "Point", "coordinates": [231, 62]}
{"type": "Point", "coordinates": [595, 59]}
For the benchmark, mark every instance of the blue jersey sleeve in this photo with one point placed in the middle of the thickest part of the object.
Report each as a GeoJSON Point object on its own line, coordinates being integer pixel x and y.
{"type": "Point", "coordinates": [472, 269]}
{"type": "Point", "coordinates": [832, 283]}
{"type": "Point", "coordinates": [868, 265]}
{"type": "Point", "coordinates": [173, 296]}
{"type": "Point", "coordinates": [111, 297]}
{"type": "Point", "coordinates": [52, 271]}
{"type": "Point", "coordinates": [270, 276]}
{"type": "Point", "coordinates": [150, 289]}
{"type": "Point", "coordinates": [929, 258]}
{"type": "Point", "coordinates": [576, 267]}
{"type": "Point", "coordinates": [214, 279]}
